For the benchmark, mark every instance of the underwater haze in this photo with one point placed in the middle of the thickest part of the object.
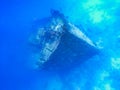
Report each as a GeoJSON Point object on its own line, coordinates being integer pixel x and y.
{"type": "Point", "coordinates": [100, 20]}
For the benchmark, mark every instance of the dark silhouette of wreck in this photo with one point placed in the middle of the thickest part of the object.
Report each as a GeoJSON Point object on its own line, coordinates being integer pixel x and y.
{"type": "Point", "coordinates": [62, 46]}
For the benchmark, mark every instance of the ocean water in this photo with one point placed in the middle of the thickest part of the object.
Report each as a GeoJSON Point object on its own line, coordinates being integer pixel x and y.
{"type": "Point", "coordinates": [100, 20]}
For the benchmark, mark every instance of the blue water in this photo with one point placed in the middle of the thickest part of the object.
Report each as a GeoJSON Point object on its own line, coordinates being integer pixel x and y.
{"type": "Point", "coordinates": [100, 20]}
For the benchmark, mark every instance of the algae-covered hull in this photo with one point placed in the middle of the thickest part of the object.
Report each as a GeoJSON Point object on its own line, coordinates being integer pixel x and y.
{"type": "Point", "coordinates": [62, 46]}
